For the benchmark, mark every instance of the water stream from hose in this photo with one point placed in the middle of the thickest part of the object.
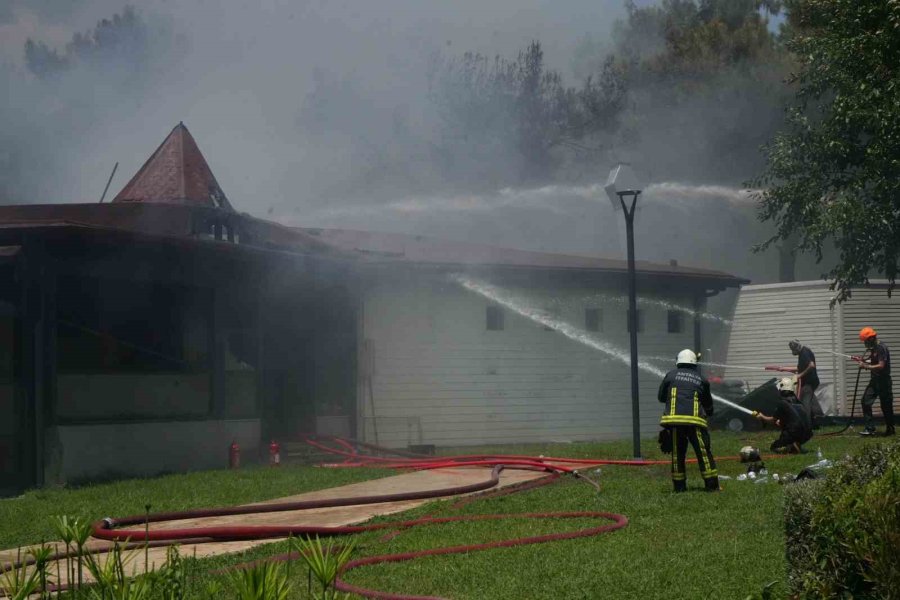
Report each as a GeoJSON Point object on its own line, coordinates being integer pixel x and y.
{"type": "Point", "coordinates": [521, 308]}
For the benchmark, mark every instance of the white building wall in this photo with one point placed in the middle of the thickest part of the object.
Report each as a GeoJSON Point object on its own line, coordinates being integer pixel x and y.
{"type": "Point", "coordinates": [870, 307]}
{"type": "Point", "coordinates": [768, 316]}
{"type": "Point", "coordinates": [439, 377]}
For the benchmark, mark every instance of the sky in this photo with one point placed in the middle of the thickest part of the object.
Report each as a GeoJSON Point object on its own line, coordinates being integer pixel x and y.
{"type": "Point", "coordinates": [237, 73]}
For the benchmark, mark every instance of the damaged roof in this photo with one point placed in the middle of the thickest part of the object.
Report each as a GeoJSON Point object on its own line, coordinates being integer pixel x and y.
{"type": "Point", "coordinates": [402, 248]}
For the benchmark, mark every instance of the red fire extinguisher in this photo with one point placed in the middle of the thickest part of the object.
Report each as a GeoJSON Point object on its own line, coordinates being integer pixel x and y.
{"type": "Point", "coordinates": [234, 456]}
{"type": "Point", "coordinates": [274, 454]}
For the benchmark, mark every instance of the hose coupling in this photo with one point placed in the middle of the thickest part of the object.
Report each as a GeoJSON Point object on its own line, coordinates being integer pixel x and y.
{"type": "Point", "coordinates": [108, 523]}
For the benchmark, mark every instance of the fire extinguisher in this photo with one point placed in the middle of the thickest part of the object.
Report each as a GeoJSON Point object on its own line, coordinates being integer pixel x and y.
{"type": "Point", "coordinates": [274, 454]}
{"type": "Point", "coordinates": [234, 456]}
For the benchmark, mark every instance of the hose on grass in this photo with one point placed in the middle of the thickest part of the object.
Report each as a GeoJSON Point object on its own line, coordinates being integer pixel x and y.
{"type": "Point", "coordinates": [117, 529]}
{"type": "Point", "coordinates": [852, 407]}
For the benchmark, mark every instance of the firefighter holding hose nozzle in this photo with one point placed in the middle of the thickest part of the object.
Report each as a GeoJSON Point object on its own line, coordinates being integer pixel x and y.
{"type": "Point", "coordinates": [687, 400]}
{"type": "Point", "coordinates": [877, 361]}
{"type": "Point", "coordinates": [790, 417]}
{"type": "Point", "coordinates": [809, 379]}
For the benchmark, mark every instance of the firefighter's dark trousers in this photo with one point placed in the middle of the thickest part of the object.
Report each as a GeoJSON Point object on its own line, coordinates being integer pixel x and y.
{"type": "Point", "coordinates": [698, 437]}
{"type": "Point", "coordinates": [880, 388]}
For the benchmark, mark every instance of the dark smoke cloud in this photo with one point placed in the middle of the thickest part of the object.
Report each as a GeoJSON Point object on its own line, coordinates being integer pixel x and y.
{"type": "Point", "coordinates": [315, 113]}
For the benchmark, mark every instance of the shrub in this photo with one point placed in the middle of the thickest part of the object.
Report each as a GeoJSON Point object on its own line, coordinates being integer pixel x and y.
{"type": "Point", "coordinates": [843, 532]}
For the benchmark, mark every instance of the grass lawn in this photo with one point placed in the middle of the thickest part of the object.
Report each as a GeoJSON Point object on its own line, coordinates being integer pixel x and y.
{"type": "Point", "coordinates": [693, 545]}
{"type": "Point", "coordinates": [24, 520]}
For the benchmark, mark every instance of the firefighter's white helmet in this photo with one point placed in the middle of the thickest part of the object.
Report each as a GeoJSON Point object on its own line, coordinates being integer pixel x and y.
{"type": "Point", "coordinates": [786, 384]}
{"type": "Point", "coordinates": [686, 357]}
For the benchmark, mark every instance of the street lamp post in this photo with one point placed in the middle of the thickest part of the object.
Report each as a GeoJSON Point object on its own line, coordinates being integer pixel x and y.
{"type": "Point", "coordinates": [623, 190]}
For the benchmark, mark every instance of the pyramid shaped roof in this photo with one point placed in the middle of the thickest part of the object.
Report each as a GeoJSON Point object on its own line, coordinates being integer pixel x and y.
{"type": "Point", "coordinates": [176, 173]}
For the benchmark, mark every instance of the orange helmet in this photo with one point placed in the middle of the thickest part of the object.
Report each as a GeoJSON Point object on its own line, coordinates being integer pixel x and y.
{"type": "Point", "coordinates": [866, 333]}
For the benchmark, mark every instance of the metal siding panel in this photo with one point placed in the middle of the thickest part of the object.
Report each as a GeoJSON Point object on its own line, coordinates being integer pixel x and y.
{"type": "Point", "coordinates": [441, 378]}
{"type": "Point", "coordinates": [874, 308]}
{"type": "Point", "coordinates": [765, 320]}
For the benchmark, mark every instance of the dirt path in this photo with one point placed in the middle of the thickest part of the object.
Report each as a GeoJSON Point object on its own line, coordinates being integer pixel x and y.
{"type": "Point", "coordinates": [325, 517]}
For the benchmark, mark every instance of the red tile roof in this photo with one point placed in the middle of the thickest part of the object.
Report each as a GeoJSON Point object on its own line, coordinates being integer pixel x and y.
{"type": "Point", "coordinates": [176, 173]}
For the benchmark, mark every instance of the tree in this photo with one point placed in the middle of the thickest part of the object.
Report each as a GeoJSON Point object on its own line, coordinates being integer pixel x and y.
{"type": "Point", "coordinates": [519, 109]}
{"type": "Point", "coordinates": [122, 40]}
{"type": "Point", "coordinates": [834, 174]}
{"type": "Point", "coordinates": [704, 85]}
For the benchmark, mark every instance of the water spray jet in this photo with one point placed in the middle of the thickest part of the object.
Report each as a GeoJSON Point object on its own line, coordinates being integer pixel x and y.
{"type": "Point", "coordinates": [499, 296]}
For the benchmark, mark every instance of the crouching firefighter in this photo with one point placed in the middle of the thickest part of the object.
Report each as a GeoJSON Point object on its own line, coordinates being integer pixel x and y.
{"type": "Point", "coordinates": [791, 417]}
{"type": "Point", "coordinates": [687, 400]}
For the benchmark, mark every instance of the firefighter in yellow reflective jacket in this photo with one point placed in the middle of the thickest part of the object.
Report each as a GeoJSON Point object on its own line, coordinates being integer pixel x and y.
{"type": "Point", "coordinates": [685, 395]}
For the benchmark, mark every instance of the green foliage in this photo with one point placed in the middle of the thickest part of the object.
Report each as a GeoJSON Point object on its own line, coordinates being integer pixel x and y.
{"type": "Point", "coordinates": [110, 575]}
{"type": "Point", "coordinates": [703, 76]}
{"type": "Point", "coordinates": [263, 581]}
{"type": "Point", "coordinates": [170, 582]}
{"type": "Point", "coordinates": [726, 528]}
{"type": "Point", "coordinates": [24, 519]}
{"type": "Point", "coordinates": [491, 108]}
{"type": "Point", "coordinates": [324, 560]}
{"type": "Point", "coordinates": [19, 583]}
{"type": "Point", "coordinates": [834, 174]}
{"type": "Point", "coordinates": [843, 533]}
{"type": "Point", "coordinates": [123, 38]}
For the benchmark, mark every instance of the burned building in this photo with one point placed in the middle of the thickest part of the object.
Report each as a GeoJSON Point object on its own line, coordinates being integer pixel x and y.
{"type": "Point", "coordinates": [146, 334]}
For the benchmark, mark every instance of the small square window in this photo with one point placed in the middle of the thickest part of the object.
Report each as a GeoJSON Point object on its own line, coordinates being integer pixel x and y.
{"type": "Point", "coordinates": [593, 319]}
{"type": "Point", "coordinates": [640, 321]}
{"type": "Point", "coordinates": [494, 318]}
{"type": "Point", "coordinates": [676, 321]}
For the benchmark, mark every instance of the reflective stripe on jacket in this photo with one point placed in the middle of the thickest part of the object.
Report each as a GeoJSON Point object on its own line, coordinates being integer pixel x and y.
{"type": "Point", "coordinates": [686, 398]}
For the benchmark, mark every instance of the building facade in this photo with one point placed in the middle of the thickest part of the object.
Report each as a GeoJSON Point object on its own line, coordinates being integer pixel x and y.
{"type": "Point", "coordinates": [148, 334]}
{"type": "Point", "coordinates": [768, 316]}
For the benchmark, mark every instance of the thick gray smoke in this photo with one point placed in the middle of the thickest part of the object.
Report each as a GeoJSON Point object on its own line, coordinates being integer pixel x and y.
{"type": "Point", "coordinates": [317, 113]}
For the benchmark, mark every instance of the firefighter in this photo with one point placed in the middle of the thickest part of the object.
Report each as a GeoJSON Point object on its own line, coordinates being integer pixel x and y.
{"type": "Point", "coordinates": [687, 400]}
{"type": "Point", "coordinates": [809, 380]}
{"type": "Point", "coordinates": [790, 417]}
{"type": "Point", "coordinates": [877, 361]}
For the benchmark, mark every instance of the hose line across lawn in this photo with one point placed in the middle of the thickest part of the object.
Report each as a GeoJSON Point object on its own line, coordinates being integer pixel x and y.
{"type": "Point", "coordinates": [123, 529]}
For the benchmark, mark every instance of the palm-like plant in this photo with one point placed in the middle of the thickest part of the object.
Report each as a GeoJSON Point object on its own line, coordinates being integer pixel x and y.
{"type": "Point", "coordinates": [262, 581]}
{"type": "Point", "coordinates": [16, 583]}
{"type": "Point", "coordinates": [41, 555]}
{"type": "Point", "coordinates": [325, 560]}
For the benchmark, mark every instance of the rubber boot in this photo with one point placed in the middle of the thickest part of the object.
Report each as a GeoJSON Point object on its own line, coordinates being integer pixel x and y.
{"type": "Point", "coordinates": [712, 484]}
{"type": "Point", "coordinates": [680, 486]}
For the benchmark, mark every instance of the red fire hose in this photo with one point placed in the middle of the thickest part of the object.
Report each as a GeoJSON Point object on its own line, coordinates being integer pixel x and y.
{"type": "Point", "coordinates": [118, 529]}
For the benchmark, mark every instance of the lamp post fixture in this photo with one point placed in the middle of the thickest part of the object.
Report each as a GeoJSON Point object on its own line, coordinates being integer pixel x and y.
{"type": "Point", "coordinates": [623, 189]}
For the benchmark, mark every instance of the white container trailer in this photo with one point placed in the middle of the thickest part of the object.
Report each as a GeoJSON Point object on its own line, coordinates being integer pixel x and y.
{"type": "Point", "coordinates": [768, 316]}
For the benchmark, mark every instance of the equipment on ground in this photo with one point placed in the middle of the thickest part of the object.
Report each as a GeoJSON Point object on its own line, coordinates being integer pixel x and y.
{"type": "Point", "coordinates": [749, 454]}
{"type": "Point", "coordinates": [274, 454]}
{"type": "Point", "coordinates": [665, 440]}
{"type": "Point", "coordinates": [234, 456]}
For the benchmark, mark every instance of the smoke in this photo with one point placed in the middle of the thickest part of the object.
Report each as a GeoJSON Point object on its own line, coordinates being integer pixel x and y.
{"type": "Point", "coordinates": [316, 113]}
{"type": "Point", "coordinates": [247, 78]}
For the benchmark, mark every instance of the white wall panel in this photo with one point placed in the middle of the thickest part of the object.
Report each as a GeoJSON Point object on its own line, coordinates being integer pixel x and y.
{"type": "Point", "coordinates": [439, 377]}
